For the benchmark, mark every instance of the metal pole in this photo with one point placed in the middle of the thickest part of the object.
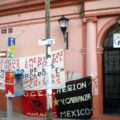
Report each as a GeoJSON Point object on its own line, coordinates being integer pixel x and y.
{"type": "Point", "coordinates": [9, 108]}
{"type": "Point", "coordinates": [48, 59]}
{"type": "Point", "coordinates": [9, 99]}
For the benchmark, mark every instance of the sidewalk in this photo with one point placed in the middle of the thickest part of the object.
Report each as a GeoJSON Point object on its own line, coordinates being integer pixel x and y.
{"type": "Point", "coordinates": [20, 116]}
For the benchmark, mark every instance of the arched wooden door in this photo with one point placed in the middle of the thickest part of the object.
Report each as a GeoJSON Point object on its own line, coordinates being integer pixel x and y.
{"type": "Point", "coordinates": [111, 73]}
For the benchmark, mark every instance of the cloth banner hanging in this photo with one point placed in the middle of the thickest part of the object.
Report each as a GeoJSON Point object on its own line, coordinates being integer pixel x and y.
{"type": "Point", "coordinates": [75, 100]}
{"type": "Point", "coordinates": [72, 102]}
{"type": "Point", "coordinates": [34, 104]}
{"type": "Point", "coordinates": [34, 70]}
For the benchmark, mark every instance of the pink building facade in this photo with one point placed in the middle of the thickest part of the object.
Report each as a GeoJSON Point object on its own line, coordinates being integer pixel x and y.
{"type": "Point", "coordinates": [92, 25]}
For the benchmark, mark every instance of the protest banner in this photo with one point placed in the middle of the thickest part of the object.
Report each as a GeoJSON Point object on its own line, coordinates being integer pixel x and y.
{"type": "Point", "coordinates": [34, 104]}
{"type": "Point", "coordinates": [72, 102]}
{"type": "Point", "coordinates": [34, 71]}
{"type": "Point", "coordinates": [75, 100]}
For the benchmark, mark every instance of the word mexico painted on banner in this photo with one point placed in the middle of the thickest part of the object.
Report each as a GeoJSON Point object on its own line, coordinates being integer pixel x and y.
{"type": "Point", "coordinates": [75, 100]}
{"type": "Point", "coordinates": [34, 70]}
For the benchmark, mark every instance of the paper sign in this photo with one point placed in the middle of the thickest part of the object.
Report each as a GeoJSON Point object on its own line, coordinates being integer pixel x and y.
{"type": "Point", "coordinates": [116, 40]}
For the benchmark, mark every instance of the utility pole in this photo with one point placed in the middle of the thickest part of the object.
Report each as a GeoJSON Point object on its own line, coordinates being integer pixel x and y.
{"type": "Point", "coordinates": [49, 61]}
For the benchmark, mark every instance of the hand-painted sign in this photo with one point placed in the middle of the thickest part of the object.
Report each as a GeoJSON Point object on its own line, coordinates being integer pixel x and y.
{"type": "Point", "coordinates": [75, 101]}
{"type": "Point", "coordinates": [72, 102]}
{"type": "Point", "coordinates": [34, 70]}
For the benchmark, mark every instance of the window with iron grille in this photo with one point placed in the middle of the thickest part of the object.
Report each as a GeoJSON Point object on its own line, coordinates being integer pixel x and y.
{"type": "Point", "coordinates": [111, 73]}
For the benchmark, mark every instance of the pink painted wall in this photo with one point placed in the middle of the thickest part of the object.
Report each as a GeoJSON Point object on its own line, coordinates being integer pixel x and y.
{"type": "Point", "coordinates": [102, 7]}
{"type": "Point", "coordinates": [102, 4]}
{"type": "Point", "coordinates": [28, 28]}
